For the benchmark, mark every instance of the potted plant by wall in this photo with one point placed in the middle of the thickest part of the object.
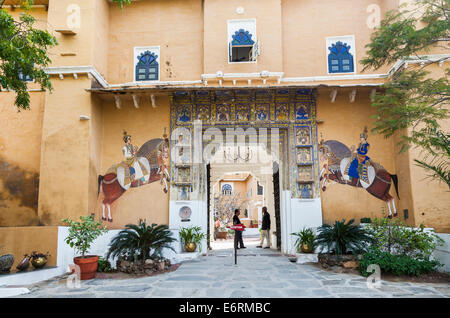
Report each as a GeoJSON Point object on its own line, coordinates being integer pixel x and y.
{"type": "Point", "coordinates": [38, 260]}
{"type": "Point", "coordinates": [6, 262]}
{"type": "Point", "coordinates": [139, 247]}
{"type": "Point", "coordinates": [190, 237]}
{"type": "Point", "coordinates": [81, 235]}
{"type": "Point", "coordinates": [305, 240]}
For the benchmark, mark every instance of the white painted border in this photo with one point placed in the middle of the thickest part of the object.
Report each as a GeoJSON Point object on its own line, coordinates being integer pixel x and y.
{"type": "Point", "coordinates": [154, 49]}
{"type": "Point", "coordinates": [334, 39]}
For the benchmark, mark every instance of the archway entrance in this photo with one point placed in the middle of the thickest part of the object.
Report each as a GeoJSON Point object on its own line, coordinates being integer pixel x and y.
{"type": "Point", "coordinates": [268, 133]}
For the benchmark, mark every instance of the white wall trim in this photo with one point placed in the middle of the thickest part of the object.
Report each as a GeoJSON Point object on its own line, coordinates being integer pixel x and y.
{"type": "Point", "coordinates": [89, 69]}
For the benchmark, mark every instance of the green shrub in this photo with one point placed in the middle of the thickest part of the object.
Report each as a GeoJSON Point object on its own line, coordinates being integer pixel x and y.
{"type": "Point", "coordinates": [83, 233]}
{"type": "Point", "coordinates": [396, 237]}
{"type": "Point", "coordinates": [396, 264]}
{"type": "Point", "coordinates": [305, 236]}
{"type": "Point", "coordinates": [137, 242]}
{"type": "Point", "coordinates": [365, 220]}
{"type": "Point", "coordinates": [342, 238]}
{"type": "Point", "coordinates": [104, 266]}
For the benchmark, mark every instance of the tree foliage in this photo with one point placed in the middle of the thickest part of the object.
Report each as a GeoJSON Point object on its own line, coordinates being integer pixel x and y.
{"type": "Point", "coordinates": [23, 53]}
{"type": "Point", "coordinates": [413, 101]}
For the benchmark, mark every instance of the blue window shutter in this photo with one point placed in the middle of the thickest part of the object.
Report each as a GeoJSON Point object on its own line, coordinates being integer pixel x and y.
{"type": "Point", "coordinates": [147, 67]}
{"type": "Point", "coordinates": [340, 60]}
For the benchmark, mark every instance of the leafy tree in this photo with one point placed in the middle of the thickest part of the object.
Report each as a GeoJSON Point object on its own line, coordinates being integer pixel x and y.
{"type": "Point", "coordinates": [226, 204]}
{"type": "Point", "coordinates": [121, 3]}
{"type": "Point", "coordinates": [412, 99]}
{"type": "Point", "coordinates": [23, 53]}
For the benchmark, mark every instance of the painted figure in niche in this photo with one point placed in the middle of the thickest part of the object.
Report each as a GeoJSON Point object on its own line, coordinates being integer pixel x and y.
{"type": "Point", "coordinates": [184, 114]}
{"type": "Point", "coordinates": [261, 112]}
{"type": "Point", "coordinates": [282, 112]}
{"type": "Point", "coordinates": [306, 191]}
{"type": "Point", "coordinates": [303, 136]}
{"type": "Point", "coordinates": [304, 155]}
{"type": "Point", "coordinates": [184, 175]}
{"type": "Point", "coordinates": [242, 113]}
{"type": "Point", "coordinates": [336, 160]}
{"type": "Point", "coordinates": [223, 113]}
{"type": "Point", "coordinates": [203, 113]}
{"type": "Point", "coordinates": [304, 174]}
{"type": "Point", "coordinates": [141, 167]}
{"type": "Point", "coordinates": [301, 113]}
{"type": "Point", "coordinates": [184, 193]}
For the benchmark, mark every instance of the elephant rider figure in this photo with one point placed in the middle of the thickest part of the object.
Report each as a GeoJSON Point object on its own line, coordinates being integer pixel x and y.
{"type": "Point", "coordinates": [129, 152]}
{"type": "Point", "coordinates": [360, 163]}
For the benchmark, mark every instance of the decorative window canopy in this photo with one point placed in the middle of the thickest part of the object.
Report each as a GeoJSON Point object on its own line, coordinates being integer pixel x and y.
{"type": "Point", "coordinates": [242, 37]}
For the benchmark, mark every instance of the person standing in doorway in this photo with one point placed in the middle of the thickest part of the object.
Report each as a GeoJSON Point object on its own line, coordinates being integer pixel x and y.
{"type": "Point", "coordinates": [265, 228]}
{"type": "Point", "coordinates": [237, 234]}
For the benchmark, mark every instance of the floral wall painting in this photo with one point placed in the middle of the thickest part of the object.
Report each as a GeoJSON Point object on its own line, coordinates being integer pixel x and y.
{"type": "Point", "coordinates": [185, 213]}
{"type": "Point", "coordinates": [353, 167]}
{"type": "Point", "coordinates": [141, 166]}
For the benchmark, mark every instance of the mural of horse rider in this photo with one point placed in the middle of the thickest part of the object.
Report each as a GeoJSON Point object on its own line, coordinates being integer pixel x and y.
{"type": "Point", "coordinates": [140, 167]}
{"type": "Point", "coordinates": [358, 166]}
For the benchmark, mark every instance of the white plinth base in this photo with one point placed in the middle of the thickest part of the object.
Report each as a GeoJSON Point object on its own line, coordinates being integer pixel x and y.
{"type": "Point", "coordinates": [303, 258]}
{"type": "Point", "coordinates": [10, 292]}
{"type": "Point", "coordinates": [31, 277]}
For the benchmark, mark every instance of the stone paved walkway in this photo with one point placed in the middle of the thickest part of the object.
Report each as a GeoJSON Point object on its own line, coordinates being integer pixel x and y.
{"type": "Point", "coordinates": [259, 273]}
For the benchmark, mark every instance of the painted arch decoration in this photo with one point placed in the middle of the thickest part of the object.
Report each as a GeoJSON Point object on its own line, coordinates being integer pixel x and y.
{"type": "Point", "coordinates": [242, 37]}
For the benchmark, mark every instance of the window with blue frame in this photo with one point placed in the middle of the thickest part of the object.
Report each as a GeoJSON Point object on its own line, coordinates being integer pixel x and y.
{"type": "Point", "coordinates": [227, 189]}
{"type": "Point", "coordinates": [242, 47]}
{"type": "Point", "coordinates": [340, 60]}
{"type": "Point", "coordinates": [147, 67]}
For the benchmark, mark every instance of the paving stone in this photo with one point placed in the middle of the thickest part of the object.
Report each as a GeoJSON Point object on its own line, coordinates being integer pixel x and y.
{"type": "Point", "coordinates": [267, 293]}
{"type": "Point", "coordinates": [126, 288]}
{"type": "Point", "coordinates": [239, 294]}
{"type": "Point", "coordinates": [320, 293]}
{"type": "Point", "coordinates": [333, 282]}
{"type": "Point", "coordinates": [296, 292]}
{"type": "Point", "coordinates": [189, 278]}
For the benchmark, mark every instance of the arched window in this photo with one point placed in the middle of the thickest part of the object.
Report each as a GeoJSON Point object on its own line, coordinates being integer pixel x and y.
{"type": "Point", "coordinates": [340, 60]}
{"type": "Point", "coordinates": [147, 67]}
{"type": "Point", "coordinates": [227, 189]}
{"type": "Point", "coordinates": [242, 47]}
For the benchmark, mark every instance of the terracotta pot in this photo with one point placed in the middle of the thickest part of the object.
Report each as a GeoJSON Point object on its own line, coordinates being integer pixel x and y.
{"type": "Point", "coordinates": [222, 235]}
{"type": "Point", "coordinates": [306, 248]}
{"type": "Point", "coordinates": [88, 266]}
{"type": "Point", "coordinates": [190, 247]}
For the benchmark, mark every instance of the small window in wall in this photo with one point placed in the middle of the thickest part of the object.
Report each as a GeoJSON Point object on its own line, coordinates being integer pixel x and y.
{"type": "Point", "coordinates": [341, 54]}
{"type": "Point", "coordinates": [242, 43]}
{"type": "Point", "coordinates": [227, 189]}
{"type": "Point", "coordinates": [260, 189]}
{"type": "Point", "coordinates": [147, 64]}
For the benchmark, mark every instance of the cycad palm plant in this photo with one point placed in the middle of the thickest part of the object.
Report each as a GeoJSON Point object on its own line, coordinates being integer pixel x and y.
{"type": "Point", "coordinates": [136, 241]}
{"type": "Point", "coordinates": [343, 238]}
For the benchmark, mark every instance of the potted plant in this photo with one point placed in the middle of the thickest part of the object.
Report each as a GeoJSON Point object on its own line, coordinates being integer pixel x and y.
{"type": "Point", "coordinates": [140, 244]}
{"type": "Point", "coordinates": [6, 262]}
{"type": "Point", "coordinates": [305, 240]}
{"type": "Point", "coordinates": [190, 237]}
{"type": "Point", "coordinates": [38, 260]}
{"type": "Point", "coordinates": [81, 235]}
